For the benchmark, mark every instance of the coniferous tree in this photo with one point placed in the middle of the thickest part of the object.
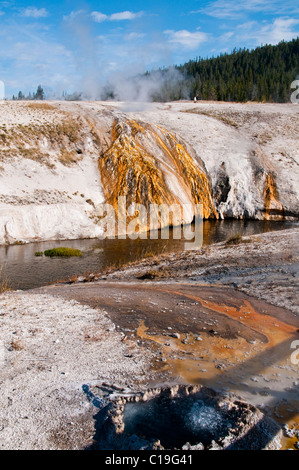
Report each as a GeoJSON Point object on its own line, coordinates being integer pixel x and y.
{"type": "Point", "coordinates": [262, 74]}
{"type": "Point", "coordinates": [39, 95]}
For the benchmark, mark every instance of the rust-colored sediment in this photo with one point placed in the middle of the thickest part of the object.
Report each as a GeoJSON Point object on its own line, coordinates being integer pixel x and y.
{"type": "Point", "coordinates": [190, 172]}
{"type": "Point", "coordinates": [128, 168]}
{"type": "Point", "coordinates": [231, 350]}
{"type": "Point", "coordinates": [276, 332]}
{"type": "Point", "coordinates": [273, 208]}
{"type": "Point", "coordinates": [215, 360]}
{"type": "Point", "coordinates": [146, 162]}
{"type": "Point", "coordinates": [227, 340]}
{"type": "Point", "coordinates": [274, 329]}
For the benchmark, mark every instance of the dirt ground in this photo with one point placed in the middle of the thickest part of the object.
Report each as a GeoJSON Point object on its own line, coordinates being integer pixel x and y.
{"type": "Point", "coordinates": [50, 349]}
{"type": "Point", "coordinates": [225, 317]}
{"type": "Point", "coordinates": [209, 335]}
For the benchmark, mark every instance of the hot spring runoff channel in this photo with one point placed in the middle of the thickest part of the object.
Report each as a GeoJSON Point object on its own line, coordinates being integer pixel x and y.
{"type": "Point", "coordinates": [21, 269]}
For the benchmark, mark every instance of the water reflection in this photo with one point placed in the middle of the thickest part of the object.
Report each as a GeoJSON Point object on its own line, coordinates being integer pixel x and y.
{"type": "Point", "coordinates": [24, 271]}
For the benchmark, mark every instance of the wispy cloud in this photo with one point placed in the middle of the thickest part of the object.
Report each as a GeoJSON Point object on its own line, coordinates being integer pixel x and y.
{"type": "Point", "coordinates": [232, 10]}
{"type": "Point", "coordinates": [133, 36]}
{"type": "Point", "coordinates": [125, 15]}
{"type": "Point", "coordinates": [269, 33]}
{"type": "Point", "coordinates": [30, 57]}
{"type": "Point", "coordinates": [77, 16]}
{"type": "Point", "coordinates": [90, 45]}
{"type": "Point", "coordinates": [33, 12]}
{"type": "Point", "coordinates": [254, 34]}
{"type": "Point", "coordinates": [187, 39]}
{"type": "Point", "coordinates": [99, 17]}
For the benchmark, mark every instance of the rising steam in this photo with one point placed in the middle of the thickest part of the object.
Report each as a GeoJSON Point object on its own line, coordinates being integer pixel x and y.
{"type": "Point", "coordinates": [100, 79]}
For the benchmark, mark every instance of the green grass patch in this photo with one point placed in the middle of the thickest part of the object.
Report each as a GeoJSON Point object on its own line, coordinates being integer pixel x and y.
{"type": "Point", "coordinates": [38, 253]}
{"type": "Point", "coordinates": [62, 252]}
{"type": "Point", "coordinates": [238, 239]}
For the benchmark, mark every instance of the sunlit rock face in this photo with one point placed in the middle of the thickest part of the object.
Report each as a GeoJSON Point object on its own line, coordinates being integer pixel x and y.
{"type": "Point", "coordinates": [251, 195]}
{"type": "Point", "coordinates": [151, 167]}
{"type": "Point", "coordinates": [60, 162]}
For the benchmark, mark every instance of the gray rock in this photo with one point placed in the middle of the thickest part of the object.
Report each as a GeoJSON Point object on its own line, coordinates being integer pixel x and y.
{"type": "Point", "coordinates": [198, 446]}
{"type": "Point", "coordinates": [215, 422]}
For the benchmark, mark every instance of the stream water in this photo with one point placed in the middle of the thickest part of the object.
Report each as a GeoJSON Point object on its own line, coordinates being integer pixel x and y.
{"type": "Point", "coordinates": [23, 270]}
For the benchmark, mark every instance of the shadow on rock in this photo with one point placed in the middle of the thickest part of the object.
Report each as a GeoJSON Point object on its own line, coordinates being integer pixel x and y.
{"type": "Point", "coordinates": [181, 417]}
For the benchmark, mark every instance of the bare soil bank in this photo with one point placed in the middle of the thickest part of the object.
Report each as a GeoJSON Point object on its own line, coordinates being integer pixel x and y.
{"type": "Point", "coordinates": [263, 266]}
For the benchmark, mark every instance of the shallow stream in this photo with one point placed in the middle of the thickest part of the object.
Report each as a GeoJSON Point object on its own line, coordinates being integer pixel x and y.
{"type": "Point", "coordinates": [21, 269]}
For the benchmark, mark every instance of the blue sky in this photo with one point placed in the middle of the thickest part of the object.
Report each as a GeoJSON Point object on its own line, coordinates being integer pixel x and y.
{"type": "Point", "coordinates": [69, 45]}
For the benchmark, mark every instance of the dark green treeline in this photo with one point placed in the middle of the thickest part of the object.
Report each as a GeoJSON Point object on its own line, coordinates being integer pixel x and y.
{"type": "Point", "coordinates": [262, 74]}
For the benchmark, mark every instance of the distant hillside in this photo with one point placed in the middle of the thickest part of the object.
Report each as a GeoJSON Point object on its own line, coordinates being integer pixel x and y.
{"type": "Point", "coordinates": [262, 74]}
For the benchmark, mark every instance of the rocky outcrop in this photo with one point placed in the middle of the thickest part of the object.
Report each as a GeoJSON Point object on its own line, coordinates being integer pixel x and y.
{"type": "Point", "coordinates": [60, 162]}
{"type": "Point", "coordinates": [151, 167]}
{"type": "Point", "coordinates": [182, 417]}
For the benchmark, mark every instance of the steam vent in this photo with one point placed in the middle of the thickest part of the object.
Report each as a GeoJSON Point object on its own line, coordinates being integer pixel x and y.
{"type": "Point", "coordinates": [180, 418]}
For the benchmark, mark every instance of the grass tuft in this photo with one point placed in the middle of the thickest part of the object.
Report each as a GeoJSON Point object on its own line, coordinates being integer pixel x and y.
{"type": "Point", "coordinates": [4, 286]}
{"type": "Point", "coordinates": [161, 273]}
{"type": "Point", "coordinates": [234, 240]}
{"type": "Point", "coordinates": [41, 106]}
{"type": "Point", "coordinates": [62, 252]}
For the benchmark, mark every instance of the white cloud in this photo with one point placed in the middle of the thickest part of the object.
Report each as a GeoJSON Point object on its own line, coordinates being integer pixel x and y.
{"type": "Point", "coordinates": [134, 36]}
{"type": "Point", "coordinates": [31, 58]}
{"type": "Point", "coordinates": [268, 33]}
{"type": "Point", "coordinates": [120, 16]}
{"type": "Point", "coordinates": [73, 15]}
{"type": "Point", "coordinates": [232, 10]}
{"type": "Point", "coordinates": [125, 15]}
{"type": "Point", "coordinates": [186, 38]}
{"type": "Point", "coordinates": [32, 12]}
{"type": "Point", "coordinates": [99, 17]}
{"type": "Point", "coordinates": [227, 36]}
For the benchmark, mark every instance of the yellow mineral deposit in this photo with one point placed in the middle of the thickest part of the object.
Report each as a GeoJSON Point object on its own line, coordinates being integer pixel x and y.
{"type": "Point", "coordinates": [196, 178]}
{"type": "Point", "coordinates": [273, 209]}
{"type": "Point", "coordinates": [147, 165]}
